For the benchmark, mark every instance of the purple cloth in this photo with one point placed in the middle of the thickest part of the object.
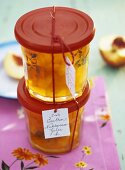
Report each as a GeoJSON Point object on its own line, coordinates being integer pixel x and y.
{"type": "Point", "coordinates": [96, 132]}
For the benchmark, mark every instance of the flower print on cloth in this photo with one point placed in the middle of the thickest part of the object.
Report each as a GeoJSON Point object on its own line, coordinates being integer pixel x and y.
{"type": "Point", "coordinates": [81, 164]}
{"type": "Point", "coordinates": [100, 115]}
{"type": "Point", "coordinates": [40, 159]}
{"type": "Point", "coordinates": [103, 116]}
{"type": "Point", "coordinates": [22, 154]}
{"type": "Point", "coordinates": [86, 150]}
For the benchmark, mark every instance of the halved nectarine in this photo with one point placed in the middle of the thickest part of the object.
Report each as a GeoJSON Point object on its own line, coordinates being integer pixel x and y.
{"type": "Point", "coordinates": [112, 49]}
{"type": "Point", "coordinates": [13, 65]}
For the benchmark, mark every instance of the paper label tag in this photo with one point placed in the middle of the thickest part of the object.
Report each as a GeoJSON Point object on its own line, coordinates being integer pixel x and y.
{"type": "Point", "coordinates": [25, 69]}
{"type": "Point", "coordinates": [56, 124]}
{"type": "Point", "coordinates": [70, 77]}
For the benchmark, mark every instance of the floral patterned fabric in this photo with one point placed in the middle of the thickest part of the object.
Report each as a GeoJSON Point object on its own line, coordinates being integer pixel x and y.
{"type": "Point", "coordinates": [97, 149]}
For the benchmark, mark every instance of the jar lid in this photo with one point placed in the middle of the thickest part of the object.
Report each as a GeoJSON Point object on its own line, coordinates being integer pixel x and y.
{"type": "Point", "coordinates": [33, 29]}
{"type": "Point", "coordinates": [38, 106]}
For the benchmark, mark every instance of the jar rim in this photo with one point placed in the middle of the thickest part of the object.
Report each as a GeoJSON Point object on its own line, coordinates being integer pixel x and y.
{"type": "Point", "coordinates": [38, 106]}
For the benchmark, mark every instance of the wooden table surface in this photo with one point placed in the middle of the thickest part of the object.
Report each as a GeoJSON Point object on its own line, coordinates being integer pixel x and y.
{"type": "Point", "coordinates": [109, 18]}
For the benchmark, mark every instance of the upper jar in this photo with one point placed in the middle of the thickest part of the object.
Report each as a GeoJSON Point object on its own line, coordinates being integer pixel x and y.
{"type": "Point", "coordinates": [47, 39]}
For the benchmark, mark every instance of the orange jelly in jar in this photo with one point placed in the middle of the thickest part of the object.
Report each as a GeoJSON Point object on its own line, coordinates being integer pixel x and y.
{"type": "Point", "coordinates": [34, 32]}
{"type": "Point", "coordinates": [33, 109]}
{"type": "Point", "coordinates": [39, 72]}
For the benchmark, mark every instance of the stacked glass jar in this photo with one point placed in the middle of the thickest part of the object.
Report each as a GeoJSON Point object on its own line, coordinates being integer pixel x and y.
{"type": "Point", "coordinates": [55, 45]}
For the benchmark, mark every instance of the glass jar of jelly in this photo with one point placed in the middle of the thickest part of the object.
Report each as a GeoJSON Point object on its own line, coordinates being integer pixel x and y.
{"type": "Point", "coordinates": [34, 109]}
{"type": "Point", "coordinates": [34, 32]}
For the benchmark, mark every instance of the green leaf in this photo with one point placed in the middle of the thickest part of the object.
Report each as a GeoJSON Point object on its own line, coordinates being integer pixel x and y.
{"type": "Point", "coordinates": [52, 156]}
{"type": "Point", "coordinates": [22, 165]}
{"type": "Point", "coordinates": [5, 166]}
{"type": "Point", "coordinates": [103, 124]}
{"type": "Point", "coordinates": [77, 62]}
{"type": "Point", "coordinates": [32, 167]}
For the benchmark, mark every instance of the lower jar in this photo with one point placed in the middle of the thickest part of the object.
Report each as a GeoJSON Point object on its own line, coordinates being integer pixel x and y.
{"type": "Point", "coordinates": [53, 145]}
{"type": "Point", "coordinates": [33, 109]}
